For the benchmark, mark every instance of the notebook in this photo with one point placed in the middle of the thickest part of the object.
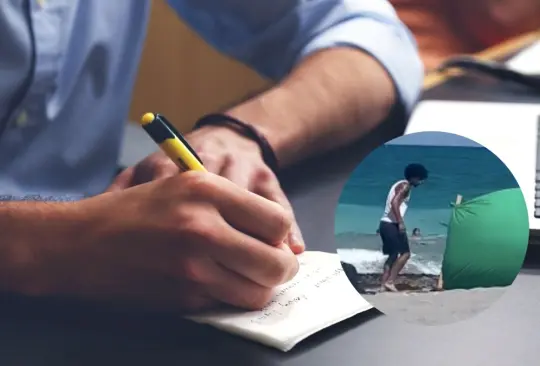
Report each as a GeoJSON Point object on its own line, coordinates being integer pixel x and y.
{"type": "Point", "coordinates": [527, 61]}
{"type": "Point", "coordinates": [509, 130]}
{"type": "Point", "coordinates": [318, 297]}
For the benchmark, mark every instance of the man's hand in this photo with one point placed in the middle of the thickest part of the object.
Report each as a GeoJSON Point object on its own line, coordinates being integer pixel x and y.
{"type": "Point", "coordinates": [402, 227]}
{"type": "Point", "coordinates": [226, 153]}
{"type": "Point", "coordinates": [184, 243]}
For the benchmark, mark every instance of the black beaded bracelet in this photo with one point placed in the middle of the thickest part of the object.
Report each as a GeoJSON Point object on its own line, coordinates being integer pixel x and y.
{"type": "Point", "coordinates": [245, 129]}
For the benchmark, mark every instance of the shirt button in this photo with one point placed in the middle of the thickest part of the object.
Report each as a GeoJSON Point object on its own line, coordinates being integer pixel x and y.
{"type": "Point", "coordinates": [22, 120]}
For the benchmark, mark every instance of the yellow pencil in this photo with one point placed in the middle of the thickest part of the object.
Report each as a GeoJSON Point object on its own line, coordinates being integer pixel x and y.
{"type": "Point", "coordinates": [171, 142]}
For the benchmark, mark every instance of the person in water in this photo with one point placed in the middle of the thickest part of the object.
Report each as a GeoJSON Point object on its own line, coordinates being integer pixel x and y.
{"type": "Point", "coordinates": [392, 227]}
{"type": "Point", "coordinates": [416, 233]}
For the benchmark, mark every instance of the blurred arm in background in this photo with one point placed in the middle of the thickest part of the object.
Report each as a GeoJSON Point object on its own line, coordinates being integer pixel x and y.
{"type": "Point", "coordinates": [489, 22]}
{"type": "Point", "coordinates": [446, 28]}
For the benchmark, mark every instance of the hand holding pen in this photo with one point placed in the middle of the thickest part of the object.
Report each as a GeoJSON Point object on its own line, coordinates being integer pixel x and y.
{"type": "Point", "coordinates": [224, 152]}
{"type": "Point", "coordinates": [186, 242]}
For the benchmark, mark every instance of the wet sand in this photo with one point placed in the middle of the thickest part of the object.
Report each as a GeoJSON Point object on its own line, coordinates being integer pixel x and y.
{"type": "Point", "coordinates": [369, 283]}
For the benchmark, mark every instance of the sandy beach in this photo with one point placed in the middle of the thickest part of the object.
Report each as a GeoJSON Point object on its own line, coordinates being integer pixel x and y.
{"type": "Point", "coordinates": [435, 308]}
{"type": "Point", "coordinates": [418, 301]}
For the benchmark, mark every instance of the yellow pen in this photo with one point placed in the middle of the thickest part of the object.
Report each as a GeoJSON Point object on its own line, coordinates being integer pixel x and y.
{"type": "Point", "coordinates": [171, 142]}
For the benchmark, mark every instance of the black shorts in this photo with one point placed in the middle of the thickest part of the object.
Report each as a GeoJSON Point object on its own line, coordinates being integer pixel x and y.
{"type": "Point", "coordinates": [394, 241]}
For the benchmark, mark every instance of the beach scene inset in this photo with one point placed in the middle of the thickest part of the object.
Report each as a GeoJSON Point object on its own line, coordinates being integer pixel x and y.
{"type": "Point", "coordinates": [431, 227]}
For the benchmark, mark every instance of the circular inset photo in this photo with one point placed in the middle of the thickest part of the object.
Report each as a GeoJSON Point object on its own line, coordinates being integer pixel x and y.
{"type": "Point", "coordinates": [432, 228]}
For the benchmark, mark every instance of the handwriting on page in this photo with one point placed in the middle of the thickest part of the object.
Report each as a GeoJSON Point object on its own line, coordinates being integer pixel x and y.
{"type": "Point", "coordinates": [319, 296]}
{"type": "Point", "coordinates": [304, 287]}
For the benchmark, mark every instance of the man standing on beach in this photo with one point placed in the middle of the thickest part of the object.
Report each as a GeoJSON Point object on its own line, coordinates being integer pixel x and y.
{"type": "Point", "coordinates": [392, 227]}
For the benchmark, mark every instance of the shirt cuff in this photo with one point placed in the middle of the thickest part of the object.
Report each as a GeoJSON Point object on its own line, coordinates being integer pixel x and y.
{"type": "Point", "coordinates": [390, 44]}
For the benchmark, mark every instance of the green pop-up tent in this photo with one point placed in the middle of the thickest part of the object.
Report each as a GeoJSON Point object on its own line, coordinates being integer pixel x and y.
{"type": "Point", "coordinates": [486, 242]}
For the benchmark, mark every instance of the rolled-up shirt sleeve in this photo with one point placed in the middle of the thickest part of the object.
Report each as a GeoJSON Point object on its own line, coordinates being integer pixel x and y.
{"type": "Point", "coordinates": [272, 37]}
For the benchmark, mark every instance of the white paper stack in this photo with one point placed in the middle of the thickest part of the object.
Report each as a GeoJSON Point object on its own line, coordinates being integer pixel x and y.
{"type": "Point", "coordinates": [319, 296]}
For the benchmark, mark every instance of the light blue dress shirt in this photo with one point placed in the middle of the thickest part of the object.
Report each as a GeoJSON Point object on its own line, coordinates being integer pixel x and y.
{"type": "Point", "coordinates": [67, 69]}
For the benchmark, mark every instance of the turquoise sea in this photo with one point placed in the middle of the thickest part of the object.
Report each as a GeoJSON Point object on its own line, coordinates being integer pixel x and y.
{"type": "Point", "coordinates": [468, 171]}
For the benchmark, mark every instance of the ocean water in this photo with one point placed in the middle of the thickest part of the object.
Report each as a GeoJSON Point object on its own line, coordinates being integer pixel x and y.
{"type": "Point", "coordinates": [468, 171]}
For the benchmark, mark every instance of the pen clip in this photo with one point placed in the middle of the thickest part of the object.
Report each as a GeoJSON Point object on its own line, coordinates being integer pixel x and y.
{"type": "Point", "coordinates": [179, 135]}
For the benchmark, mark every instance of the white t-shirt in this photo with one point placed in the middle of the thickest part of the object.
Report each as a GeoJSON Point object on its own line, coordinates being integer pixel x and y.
{"type": "Point", "coordinates": [388, 215]}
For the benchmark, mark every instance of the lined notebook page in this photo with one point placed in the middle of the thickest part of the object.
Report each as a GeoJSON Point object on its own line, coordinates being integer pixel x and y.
{"type": "Point", "coordinates": [319, 296]}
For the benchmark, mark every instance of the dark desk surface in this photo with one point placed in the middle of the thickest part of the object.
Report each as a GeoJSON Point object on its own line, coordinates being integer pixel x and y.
{"type": "Point", "coordinates": [50, 334]}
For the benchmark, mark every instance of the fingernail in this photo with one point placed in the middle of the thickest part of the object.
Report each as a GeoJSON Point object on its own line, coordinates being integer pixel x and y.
{"type": "Point", "coordinates": [296, 242]}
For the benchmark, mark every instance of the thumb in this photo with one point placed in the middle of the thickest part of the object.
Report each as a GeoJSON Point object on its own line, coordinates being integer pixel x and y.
{"type": "Point", "coordinates": [122, 181]}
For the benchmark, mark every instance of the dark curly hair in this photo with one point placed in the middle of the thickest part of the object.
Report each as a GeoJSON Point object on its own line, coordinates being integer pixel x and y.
{"type": "Point", "coordinates": [416, 171]}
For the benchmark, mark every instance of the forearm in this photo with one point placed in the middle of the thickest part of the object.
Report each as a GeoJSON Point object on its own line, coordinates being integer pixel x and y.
{"type": "Point", "coordinates": [32, 233]}
{"type": "Point", "coordinates": [343, 65]}
{"type": "Point", "coordinates": [331, 99]}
